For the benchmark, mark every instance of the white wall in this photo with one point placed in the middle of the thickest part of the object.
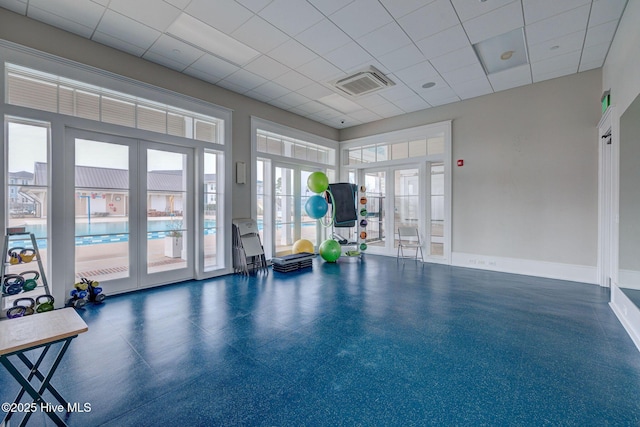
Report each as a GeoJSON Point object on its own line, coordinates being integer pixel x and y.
{"type": "Point", "coordinates": [528, 189]}
{"type": "Point", "coordinates": [27, 32]}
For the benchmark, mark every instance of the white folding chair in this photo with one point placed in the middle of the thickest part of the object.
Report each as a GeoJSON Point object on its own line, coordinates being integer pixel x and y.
{"type": "Point", "coordinates": [408, 238]}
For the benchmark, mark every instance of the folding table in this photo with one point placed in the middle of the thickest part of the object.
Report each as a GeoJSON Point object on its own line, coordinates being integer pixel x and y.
{"type": "Point", "coordinates": [21, 335]}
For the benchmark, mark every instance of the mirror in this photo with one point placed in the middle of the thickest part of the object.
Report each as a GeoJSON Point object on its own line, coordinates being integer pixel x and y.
{"type": "Point", "coordinates": [629, 240]}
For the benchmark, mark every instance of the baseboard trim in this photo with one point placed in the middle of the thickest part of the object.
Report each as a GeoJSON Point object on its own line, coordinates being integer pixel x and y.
{"type": "Point", "coordinates": [627, 312]}
{"type": "Point", "coordinates": [552, 270]}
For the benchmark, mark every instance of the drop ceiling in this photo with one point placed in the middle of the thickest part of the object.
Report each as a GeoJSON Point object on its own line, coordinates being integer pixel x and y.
{"type": "Point", "coordinates": [286, 52]}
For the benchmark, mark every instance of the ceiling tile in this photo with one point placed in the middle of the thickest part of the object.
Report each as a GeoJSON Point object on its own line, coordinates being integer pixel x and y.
{"type": "Point", "coordinates": [258, 96]}
{"type": "Point", "coordinates": [410, 104]}
{"type": "Point", "coordinates": [267, 67]}
{"type": "Point", "coordinates": [440, 96]}
{"type": "Point", "coordinates": [396, 92]}
{"type": "Point", "coordinates": [445, 41]}
{"type": "Point", "coordinates": [460, 75]}
{"type": "Point", "coordinates": [537, 10]}
{"type": "Point", "coordinates": [163, 13]}
{"type": "Point", "coordinates": [320, 70]}
{"type": "Point", "coordinates": [348, 56]}
{"type": "Point", "coordinates": [225, 15]}
{"type": "Point", "coordinates": [201, 75]}
{"type": "Point", "coordinates": [387, 110]}
{"type": "Point", "coordinates": [329, 6]}
{"type": "Point", "coordinates": [606, 10]}
{"type": "Point", "coordinates": [556, 66]}
{"type": "Point", "coordinates": [293, 80]}
{"type": "Point", "coordinates": [180, 4]}
{"type": "Point", "coordinates": [514, 77]}
{"type": "Point", "coordinates": [311, 107]}
{"type": "Point", "coordinates": [556, 47]}
{"type": "Point", "coordinates": [115, 43]}
{"type": "Point", "coordinates": [421, 72]}
{"type": "Point", "coordinates": [291, 16]}
{"type": "Point", "coordinates": [371, 100]}
{"type": "Point", "coordinates": [245, 79]}
{"type": "Point", "coordinates": [473, 88]}
{"type": "Point", "coordinates": [120, 27]}
{"type": "Point", "coordinates": [323, 37]}
{"type": "Point", "coordinates": [83, 12]}
{"type": "Point", "coordinates": [260, 35]}
{"type": "Point", "coordinates": [361, 17]}
{"type": "Point", "coordinates": [494, 23]}
{"type": "Point", "coordinates": [595, 53]}
{"type": "Point", "coordinates": [106, 2]}
{"type": "Point", "coordinates": [557, 26]}
{"type": "Point", "coordinates": [602, 33]}
{"type": "Point", "coordinates": [294, 99]}
{"type": "Point", "coordinates": [384, 39]}
{"type": "Point", "coordinates": [364, 115]}
{"type": "Point", "coordinates": [59, 22]}
{"type": "Point", "coordinates": [292, 54]}
{"type": "Point", "coordinates": [315, 91]}
{"type": "Point", "coordinates": [400, 8]}
{"type": "Point", "coordinates": [163, 60]}
{"type": "Point", "coordinates": [454, 60]}
{"type": "Point", "coordinates": [254, 5]}
{"type": "Point", "coordinates": [232, 86]}
{"type": "Point", "coordinates": [214, 66]}
{"type": "Point", "coordinates": [271, 89]}
{"type": "Point", "coordinates": [429, 20]}
{"type": "Point", "coordinates": [472, 9]}
{"type": "Point", "coordinates": [402, 58]}
{"type": "Point", "coordinates": [176, 50]}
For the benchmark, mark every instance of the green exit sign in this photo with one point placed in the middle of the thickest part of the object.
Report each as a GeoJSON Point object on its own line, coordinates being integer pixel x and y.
{"type": "Point", "coordinates": [606, 101]}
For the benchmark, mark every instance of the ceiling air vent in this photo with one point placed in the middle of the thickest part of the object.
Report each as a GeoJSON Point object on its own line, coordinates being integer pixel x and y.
{"type": "Point", "coordinates": [363, 82]}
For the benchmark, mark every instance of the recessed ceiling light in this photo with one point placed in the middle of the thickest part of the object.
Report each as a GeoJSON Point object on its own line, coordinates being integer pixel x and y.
{"type": "Point", "coordinates": [428, 85]}
{"type": "Point", "coordinates": [506, 55]}
{"type": "Point", "coordinates": [502, 52]}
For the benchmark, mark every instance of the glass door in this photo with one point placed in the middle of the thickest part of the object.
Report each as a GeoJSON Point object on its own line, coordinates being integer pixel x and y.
{"type": "Point", "coordinates": [284, 219]}
{"type": "Point", "coordinates": [117, 179]}
{"type": "Point", "coordinates": [376, 194]}
{"type": "Point", "coordinates": [166, 197]}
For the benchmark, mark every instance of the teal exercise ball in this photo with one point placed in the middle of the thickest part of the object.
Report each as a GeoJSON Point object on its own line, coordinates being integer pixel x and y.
{"type": "Point", "coordinates": [316, 207]}
{"type": "Point", "coordinates": [330, 250]}
{"type": "Point", "coordinates": [318, 182]}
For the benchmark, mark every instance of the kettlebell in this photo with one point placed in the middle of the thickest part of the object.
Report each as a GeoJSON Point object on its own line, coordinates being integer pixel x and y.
{"type": "Point", "coordinates": [12, 284]}
{"type": "Point", "coordinates": [32, 283]}
{"type": "Point", "coordinates": [47, 305]}
{"type": "Point", "coordinates": [15, 312]}
{"type": "Point", "coordinates": [29, 308]}
{"type": "Point", "coordinates": [14, 256]}
{"type": "Point", "coordinates": [27, 254]}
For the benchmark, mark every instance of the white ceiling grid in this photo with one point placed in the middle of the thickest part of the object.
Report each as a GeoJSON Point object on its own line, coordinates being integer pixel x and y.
{"type": "Point", "coordinates": [303, 45]}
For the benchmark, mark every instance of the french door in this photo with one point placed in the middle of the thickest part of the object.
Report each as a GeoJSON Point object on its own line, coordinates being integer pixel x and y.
{"type": "Point", "coordinates": [405, 195]}
{"type": "Point", "coordinates": [133, 211]}
{"type": "Point", "coordinates": [285, 220]}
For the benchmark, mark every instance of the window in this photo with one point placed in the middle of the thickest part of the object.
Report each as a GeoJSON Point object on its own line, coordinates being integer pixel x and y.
{"type": "Point", "coordinates": [43, 91]}
{"type": "Point", "coordinates": [28, 178]}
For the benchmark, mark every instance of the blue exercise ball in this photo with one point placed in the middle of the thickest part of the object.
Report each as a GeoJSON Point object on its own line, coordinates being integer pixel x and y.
{"type": "Point", "coordinates": [316, 207]}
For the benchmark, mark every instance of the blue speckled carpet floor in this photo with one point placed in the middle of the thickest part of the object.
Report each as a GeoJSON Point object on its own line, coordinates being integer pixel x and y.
{"type": "Point", "coordinates": [372, 343]}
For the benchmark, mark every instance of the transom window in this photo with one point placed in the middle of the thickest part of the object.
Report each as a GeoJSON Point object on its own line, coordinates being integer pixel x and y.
{"type": "Point", "coordinates": [43, 91]}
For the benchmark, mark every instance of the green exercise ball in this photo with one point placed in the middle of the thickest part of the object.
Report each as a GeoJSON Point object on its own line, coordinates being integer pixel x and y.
{"type": "Point", "coordinates": [318, 182]}
{"type": "Point", "coordinates": [330, 250]}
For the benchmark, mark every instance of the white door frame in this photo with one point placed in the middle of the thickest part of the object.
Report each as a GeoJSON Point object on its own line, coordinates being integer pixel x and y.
{"type": "Point", "coordinates": [608, 167]}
